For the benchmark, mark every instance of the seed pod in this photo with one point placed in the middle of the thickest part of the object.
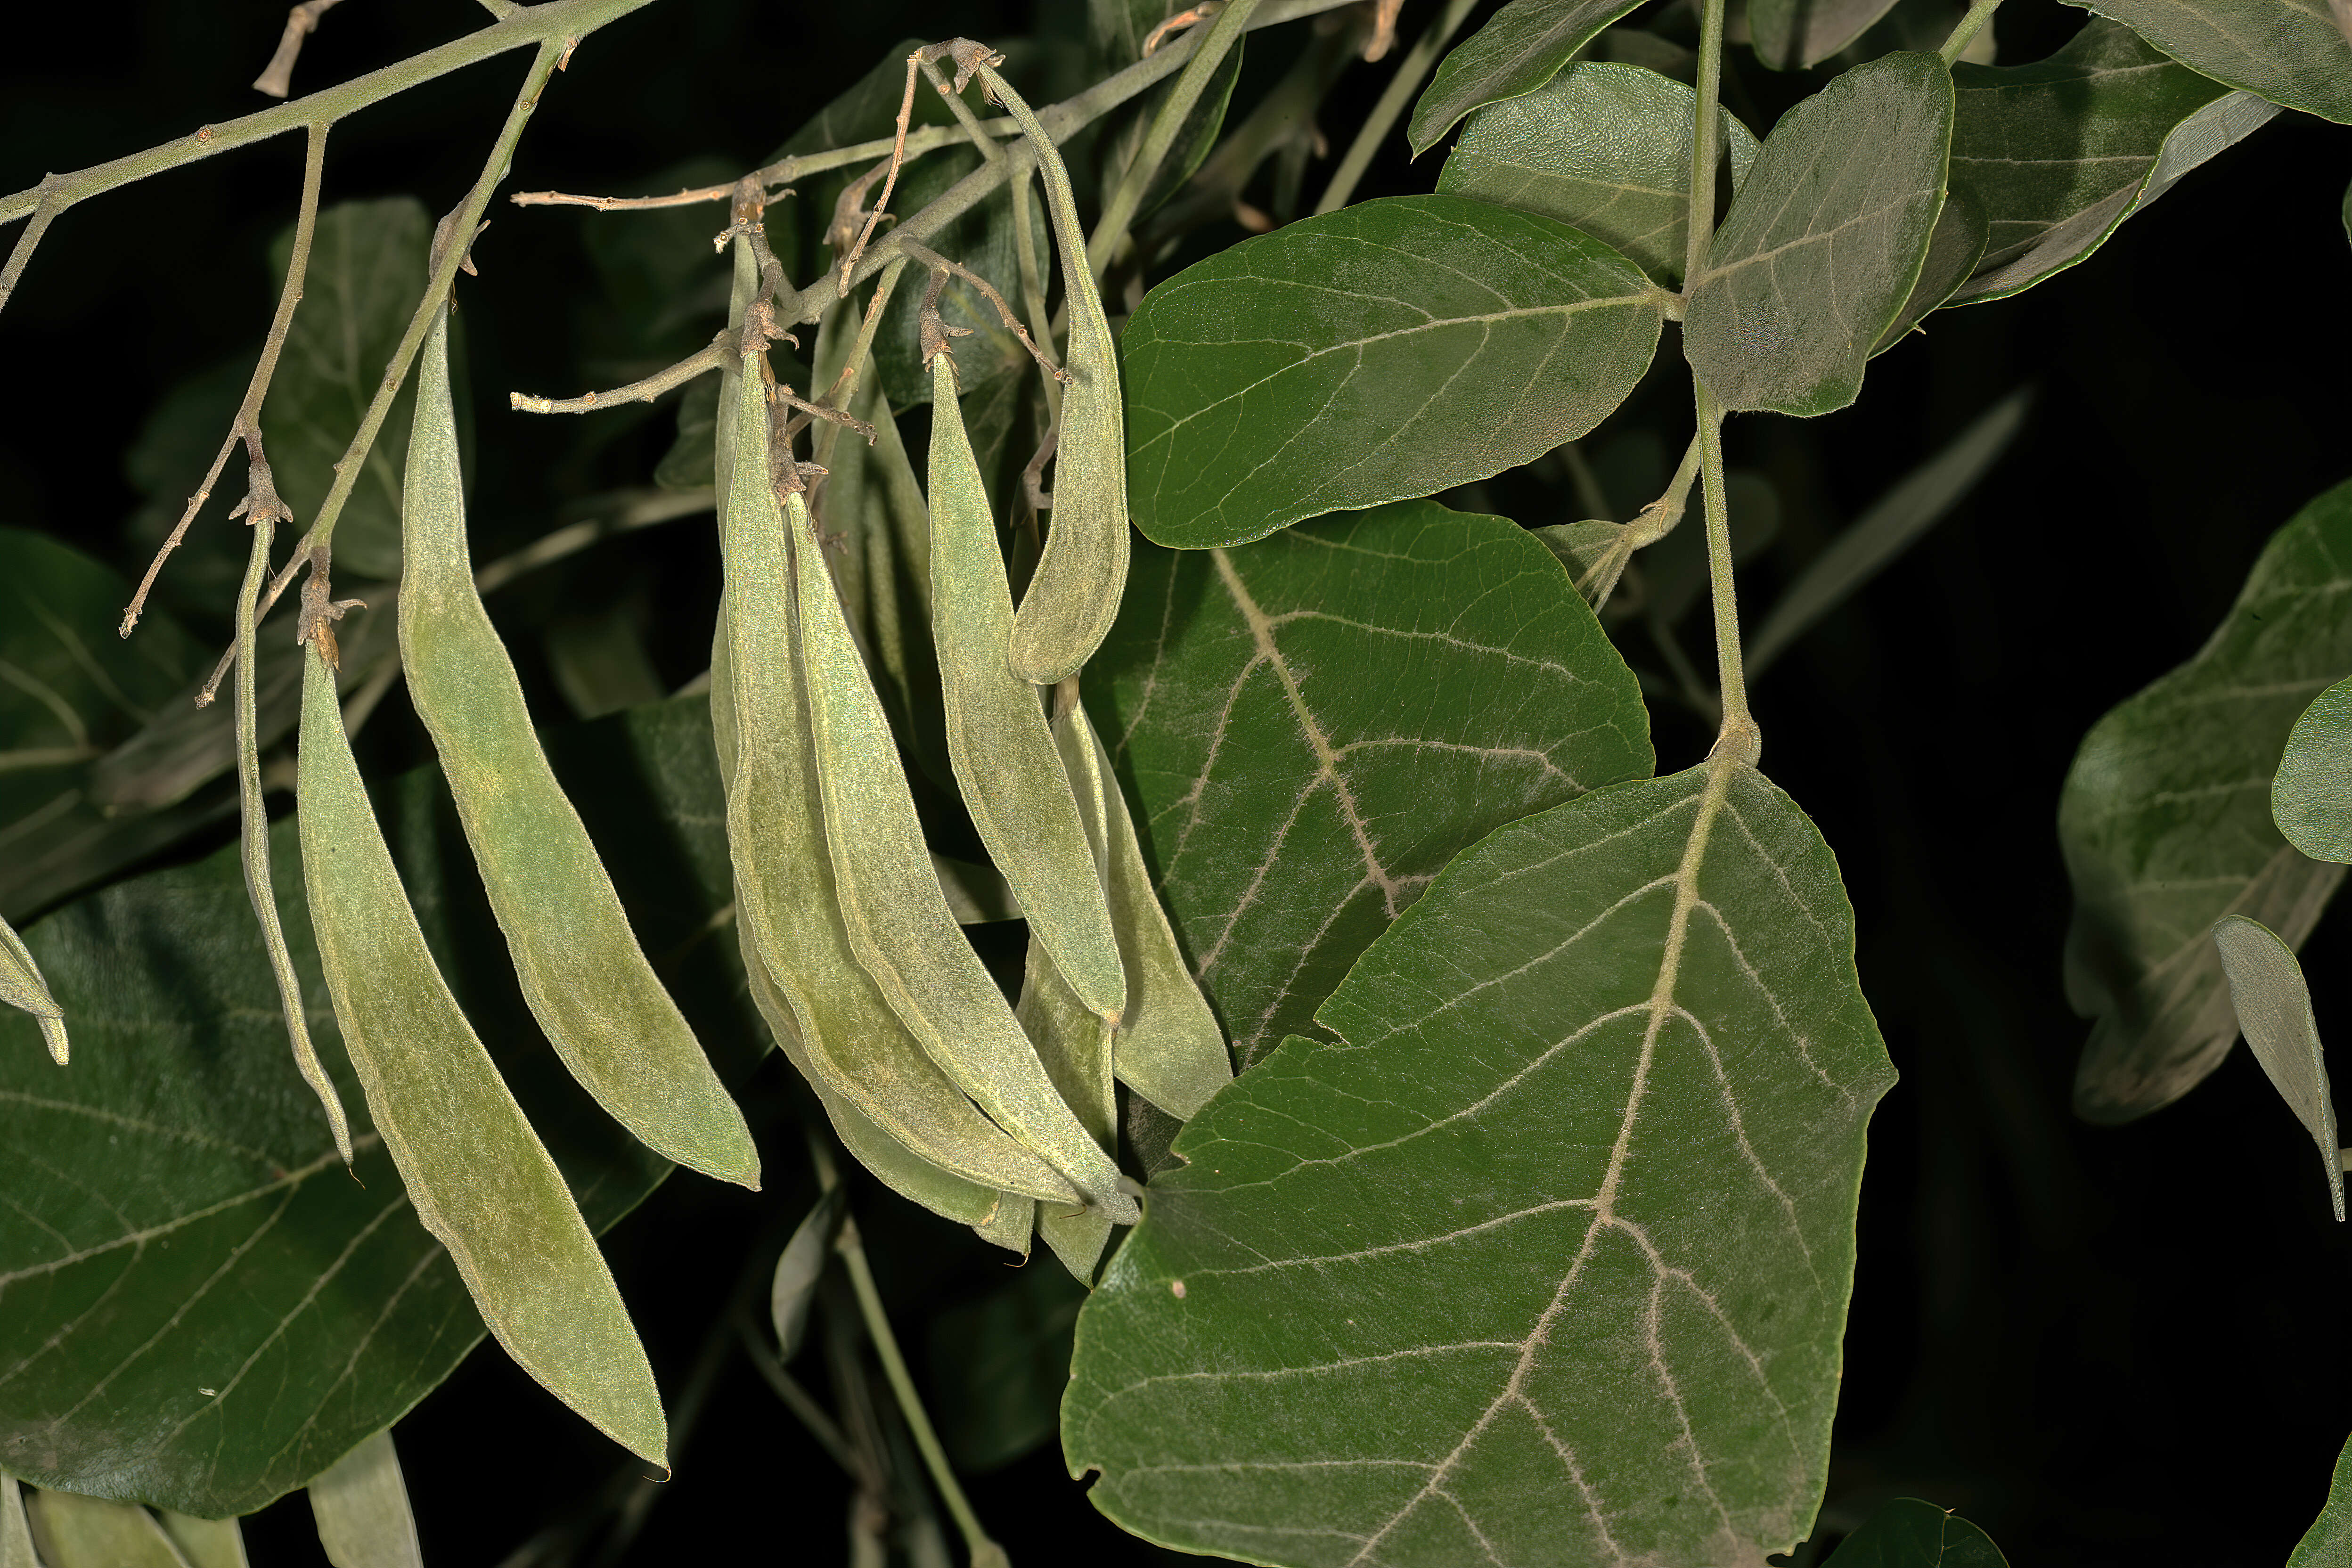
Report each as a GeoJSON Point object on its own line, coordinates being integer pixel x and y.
{"type": "Point", "coordinates": [22, 987]}
{"type": "Point", "coordinates": [585, 977]}
{"type": "Point", "coordinates": [1075, 1046]}
{"type": "Point", "coordinates": [1074, 597]}
{"type": "Point", "coordinates": [1010, 1224]}
{"type": "Point", "coordinates": [361, 1506]}
{"type": "Point", "coordinates": [1167, 1047]}
{"type": "Point", "coordinates": [998, 740]}
{"type": "Point", "coordinates": [899, 926]}
{"type": "Point", "coordinates": [847, 1040]}
{"type": "Point", "coordinates": [478, 1176]}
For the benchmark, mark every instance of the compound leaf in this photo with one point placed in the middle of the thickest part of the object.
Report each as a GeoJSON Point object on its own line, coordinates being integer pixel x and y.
{"type": "Point", "coordinates": [2166, 824]}
{"type": "Point", "coordinates": [1603, 148]}
{"type": "Point", "coordinates": [1522, 47]}
{"type": "Point", "coordinates": [2293, 52]}
{"type": "Point", "coordinates": [1382, 352]}
{"type": "Point", "coordinates": [1640, 1069]}
{"type": "Point", "coordinates": [2311, 799]}
{"type": "Point", "coordinates": [1290, 808]}
{"type": "Point", "coordinates": [1825, 241]}
{"type": "Point", "coordinates": [2058, 153]}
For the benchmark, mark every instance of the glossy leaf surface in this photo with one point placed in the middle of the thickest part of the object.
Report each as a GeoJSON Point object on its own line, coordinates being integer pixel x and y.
{"type": "Point", "coordinates": [1823, 243]}
{"type": "Point", "coordinates": [1381, 351]}
{"type": "Point", "coordinates": [2273, 1008]}
{"type": "Point", "coordinates": [2311, 798]}
{"type": "Point", "coordinates": [1641, 1071]}
{"type": "Point", "coordinates": [1289, 808]}
{"type": "Point", "coordinates": [2293, 52]}
{"type": "Point", "coordinates": [2061, 151]}
{"type": "Point", "coordinates": [2166, 823]}
{"type": "Point", "coordinates": [1908, 1533]}
{"type": "Point", "coordinates": [198, 1307]}
{"type": "Point", "coordinates": [1520, 48]}
{"type": "Point", "coordinates": [1603, 148]}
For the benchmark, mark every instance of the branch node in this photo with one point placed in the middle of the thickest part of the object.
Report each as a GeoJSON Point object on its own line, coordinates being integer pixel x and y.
{"type": "Point", "coordinates": [276, 78]}
{"type": "Point", "coordinates": [321, 608]}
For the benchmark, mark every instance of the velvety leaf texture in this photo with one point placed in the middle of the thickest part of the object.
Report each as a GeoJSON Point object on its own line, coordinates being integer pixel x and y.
{"type": "Point", "coordinates": [1789, 34]}
{"type": "Point", "coordinates": [2328, 1542]}
{"type": "Point", "coordinates": [2290, 51]}
{"type": "Point", "coordinates": [1382, 352]}
{"type": "Point", "coordinates": [2166, 823]}
{"type": "Point", "coordinates": [1603, 148]}
{"type": "Point", "coordinates": [2311, 799]}
{"type": "Point", "coordinates": [1614, 1067]}
{"type": "Point", "coordinates": [2060, 153]}
{"type": "Point", "coordinates": [1823, 243]}
{"type": "Point", "coordinates": [1291, 805]}
{"type": "Point", "coordinates": [198, 1307]}
{"type": "Point", "coordinates": [1521, 46]}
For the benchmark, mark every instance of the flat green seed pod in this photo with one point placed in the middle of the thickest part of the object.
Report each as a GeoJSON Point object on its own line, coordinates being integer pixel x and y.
{"type": "Point", "coordinates": [360, 1504]}
{"type": "Point", "coordinates": [77, 1531]}
{"type": "Point", "coordinates": [22, 987]}
{"type": "Point", "coordinates": [842, 1034]}
{"type": "Point", "coordinates": [899, 926]}
{"type": "Point", "coordinates": [1010, 1225]}
{"type": "Point", "coordinates": [480, 1180]}
{"type": "Point", "coordinates": [998, 741]}
{"type": "Point", "coordinates": [586, 979]}
{"type": "Point", "coordinates": [1167, 1047]}
{"type": "Point", "coordinates": [1074, 598]}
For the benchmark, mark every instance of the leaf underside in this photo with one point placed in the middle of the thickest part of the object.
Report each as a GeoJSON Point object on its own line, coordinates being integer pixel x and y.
{"type": "Point", "coordinates": [1616, 1068]}
{"type": "Point", "coordinates": [2292, 52]}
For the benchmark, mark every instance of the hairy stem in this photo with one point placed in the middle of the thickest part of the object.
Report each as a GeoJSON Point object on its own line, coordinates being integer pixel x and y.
{"type": "Point", "coordinates": [1966, 32]}
{"type": "Point", "coordinates": [1739, 735]}
{"type": "Point", "coordinates": [1410, 72]}
{"type": "Point", "coordinates": [1110, 230]}
{"type": "Point", "coordinates": [1705, 133]}
{"type": "Point", "coordinates": [708, 358]}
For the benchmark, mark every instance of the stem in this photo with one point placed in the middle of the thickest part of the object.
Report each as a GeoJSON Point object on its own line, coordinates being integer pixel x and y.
{"type": "Point", "coordinates": [708, 358]}
{"type": "Point", "coordinates": [1410, 72]}
{"type": "Point", "coordinates": [1704, 136]}
{"type": "Point", "coordinates": [1110, 230]}
{"type": "Point", "coordinates": [562, 22]}
{"type": "Point", "coordinates": [1739, 736]}
{"type": "Point", "coordinates": [1966, 32]}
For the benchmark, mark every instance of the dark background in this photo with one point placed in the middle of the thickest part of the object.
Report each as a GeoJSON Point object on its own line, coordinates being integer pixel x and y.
{"type": "Point", "coordinates": [2106, 1345]}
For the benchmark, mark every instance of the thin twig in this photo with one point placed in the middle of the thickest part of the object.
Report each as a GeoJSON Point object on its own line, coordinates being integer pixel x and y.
{"type": "Point", "coordinates": [708, 358]}
{"type": "Point", "coordinates": [783, 172]}
{"type": "Point", "coordinates": [1190, 18]}
{"type": "Point", "coordinates": [1971, 24]}
{"type": "Point", "coordinates": [276, 78]}
{"type": "Point", "coordinates": [890, 180]}
{"type": "Point", "coordinates": [941, 265]}
{"type": "Point", "coordinates": [1410, 72]}
{"type": "Point", "coordinates": [803, 1405]}
{"type": "Point", "coordinates": [1385, 21]}
{"type": "Point", "coordinates": [1166, 124]}
{"type": "Point", "coordinates": [973, 130]}
{"type": "Point", "coordinates": [44, 214]}
{"type": "Point", "coordinates": [247, 425]}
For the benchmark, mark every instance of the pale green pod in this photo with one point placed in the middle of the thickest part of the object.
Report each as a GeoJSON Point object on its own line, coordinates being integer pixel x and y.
{"type": "Point", "coordinates": [998, 740]}
{"type": "Point", "coordinates": [22, 987]}
{"type": "Point", "coordinates": [1075, 1046]}
{"type": "Point", "coordinates": [1074, 598]}
{"type": "Point", "coordinates": [847, 1040]}
{"type": "Point", "coordinates": [1010, 1225]}
{"type": "Point", "coordinates": [77, 1531]}
{"type": "Point", "coordinates": [586, 979]}
{"type": "Point", "coordinates": [360, 1504]}
{"type": "Point", "coordinates": [205, 1542]}
{"type": "Point", "coordinates": [1167, 1047]}
{"type": "Point", "coordinates": [478, 1176]}
{"type": "Point", "coordinates": [899, 926]}
{"type": "Point", "coordinates": [16, 1534]}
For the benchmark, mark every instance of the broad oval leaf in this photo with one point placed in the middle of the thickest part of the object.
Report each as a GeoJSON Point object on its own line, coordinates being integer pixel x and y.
{"type": "Point", "coordinates": [2273, 1008]}
{"type": "Point", "coordinates": [2166, 824]}
{"type": "Point", "coordinates": [1908, 1533]}
{"type": "Point", "coordinates": [2311, 798]}
{"type": "Point", "coordinates": [1640, 1070]}
{"type": "Point", "coordinates": [2293, 52]}
{"type": "Point", "coordinates": [1955, 248]}
{"type": "Point", "coordinates": [2328, 1542]}
{"type": "Point", "coordinates": [1385, 351]}
{"type": "Point", "coordinates": [1823, 244]}
{"type": "Point", "coordinates": [1793, 33]}
{"type": "Point", "coordinates": [1603, 148]}
{"type": "Point", "coordinates": [2060, 153]}
{"type": "Point", "coordinates": [1289, 807]}
{"type": "Point", "coordinates": [198, 1309]}
{"type": "Point", "coordinates": [1521, 46]}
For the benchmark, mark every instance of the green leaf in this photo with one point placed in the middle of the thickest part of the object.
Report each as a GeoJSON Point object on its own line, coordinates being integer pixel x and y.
{"type": "Point", "coordinates": [1291, 808]}
{"type": "Point", "coordinates": [2166, 824]}
{"type": "Point", "coordinates": [689, 463]}
{"type": "Point", "coordinates": [1382, 352]}
{"type": "Point", "coordinates": [198, 1309]}
{"type": "Point", "coordinates": [360, 1504]}
{"type": "Point", "coordinates": [2273, 1008]}
{"type": "Point", "coordinates": [2328, 1542]}
{"type": "Point", "coordinates": [2293, 52]}
{"type": "Point", "coordinates": [1603, 148]}
{"type": "Point", "coordinates": [791, 1288]}
{"type": "Point", "coordinates": [75, 1531]}
{"type": "Point", "coordinates": [1640, 1069]}
{"type": "Point", "coordinates": [999, 1365]}
{"type": "Point", "coordinates": [1955, 249]}
{"type": "Point", "coordinates": [1910, 508]}
{"type": "Point", "coordinates": [366, 277]}
{"type": "Point", "coordinates": [1521, 46]}
{"type": "Point", "coordinates": [2060, 153]}
{"type": "Point", "coordinates": [2311, 798]}
{"type": "Point", "coordinates": [1823, 244]}
{"type": "Point", "coordinates": [1793, 33]}
{"type": "Point", "coordinates": [1908, 1533]}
